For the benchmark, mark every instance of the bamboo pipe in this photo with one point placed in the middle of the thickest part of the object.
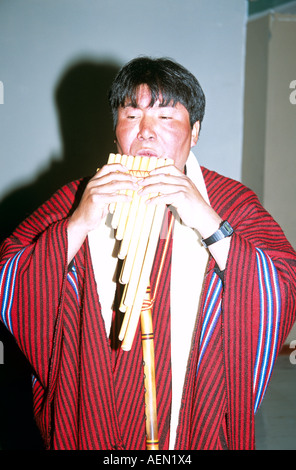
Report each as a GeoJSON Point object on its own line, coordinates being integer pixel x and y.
{"type": "Point", "coordinates": [147, 336]}
{"type": "Point", "coordinates": [132, 164]}
{"type": "Point", "coordinates": [113, 158]}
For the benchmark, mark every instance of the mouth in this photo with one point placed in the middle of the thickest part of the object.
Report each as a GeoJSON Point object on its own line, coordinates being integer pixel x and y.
{"type": "Point", "coordinates": [147, 153]}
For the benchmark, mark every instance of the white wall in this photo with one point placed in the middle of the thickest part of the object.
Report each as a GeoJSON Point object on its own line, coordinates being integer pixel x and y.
{"type": "Point", "coordinates": [269, 164]}
{"type": "Point", "coordinates": [39, 40]}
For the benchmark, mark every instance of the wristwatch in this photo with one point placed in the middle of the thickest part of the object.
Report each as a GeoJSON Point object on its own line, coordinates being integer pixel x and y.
{"type": "Point", "coordinates": [225, 230]}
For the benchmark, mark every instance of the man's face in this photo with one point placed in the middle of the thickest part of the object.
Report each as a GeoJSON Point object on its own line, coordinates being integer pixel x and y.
{"type": "Point", "coordinates": [161, 131]}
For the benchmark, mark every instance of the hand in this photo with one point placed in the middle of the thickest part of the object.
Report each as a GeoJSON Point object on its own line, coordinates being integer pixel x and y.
{"type": "Point", "coordinates": [106, 186]}
{"type": "Point", "coordinates": [170, 186]}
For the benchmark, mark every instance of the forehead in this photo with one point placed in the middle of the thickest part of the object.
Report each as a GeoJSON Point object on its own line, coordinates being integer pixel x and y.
{"type": "Point", "coordinates": [143, 97]}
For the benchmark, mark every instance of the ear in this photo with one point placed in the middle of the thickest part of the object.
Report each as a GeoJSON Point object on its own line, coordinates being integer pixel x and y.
{"type": "Point", "coordinates": [195, 133]}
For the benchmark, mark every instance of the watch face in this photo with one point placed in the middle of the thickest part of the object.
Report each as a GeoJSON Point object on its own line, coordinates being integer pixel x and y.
{"type": "Point", "coordinates": [227, 227]}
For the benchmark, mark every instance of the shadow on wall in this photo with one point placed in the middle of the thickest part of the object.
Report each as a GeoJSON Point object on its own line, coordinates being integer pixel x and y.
{"type": "Point", "coordinates": [85, 121]}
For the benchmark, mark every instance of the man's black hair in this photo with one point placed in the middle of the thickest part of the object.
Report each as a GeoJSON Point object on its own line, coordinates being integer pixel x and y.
{"type": "Point", "coordinates": [165, 78]}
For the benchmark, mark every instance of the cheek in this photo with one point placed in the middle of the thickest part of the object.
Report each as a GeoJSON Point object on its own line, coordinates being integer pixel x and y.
{"type": "Point", "coordinates": [122, 136]}
{"type": "Point", "coordinates": [181, 140]}
{"type": "Point", "coordinates": [180, 145]}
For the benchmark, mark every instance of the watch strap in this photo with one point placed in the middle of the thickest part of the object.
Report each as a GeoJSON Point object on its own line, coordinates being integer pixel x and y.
{"type": "Point", "coordinates": [225, 230]}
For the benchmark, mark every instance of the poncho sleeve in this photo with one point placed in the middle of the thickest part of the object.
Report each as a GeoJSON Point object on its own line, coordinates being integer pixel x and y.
{"type": "Point", "coordinates": [33, 270]}
{"type": "Point", "coordinates": [258, 299]}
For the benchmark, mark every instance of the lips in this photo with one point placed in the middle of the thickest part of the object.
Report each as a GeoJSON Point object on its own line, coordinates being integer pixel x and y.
{"type": "Point", "coordinates": [147, 153]}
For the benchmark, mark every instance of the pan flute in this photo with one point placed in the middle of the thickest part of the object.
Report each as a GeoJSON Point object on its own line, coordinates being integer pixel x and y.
{"type": "Point", "coordinates": [137, 227]}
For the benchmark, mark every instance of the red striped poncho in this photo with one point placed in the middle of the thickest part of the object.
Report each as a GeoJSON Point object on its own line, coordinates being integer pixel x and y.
{"type": "Point", "coordinates": [88, 393]}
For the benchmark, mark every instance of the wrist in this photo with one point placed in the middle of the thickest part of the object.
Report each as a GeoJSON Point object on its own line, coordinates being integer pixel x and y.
{"type": "Point", "coordinates": [77, 228]}
{"type": "Point", "coordinates": [76, 235]}
{"type": "Point", "coordinates": [225, 230]}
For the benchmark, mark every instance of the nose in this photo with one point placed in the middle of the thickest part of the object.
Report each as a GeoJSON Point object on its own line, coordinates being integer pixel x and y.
{"type": "Point", "coordinates": [147, 129]}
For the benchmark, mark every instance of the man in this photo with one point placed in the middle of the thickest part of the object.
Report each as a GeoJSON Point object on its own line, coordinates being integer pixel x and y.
{"type": "Point", "coordinates": [225, 306]}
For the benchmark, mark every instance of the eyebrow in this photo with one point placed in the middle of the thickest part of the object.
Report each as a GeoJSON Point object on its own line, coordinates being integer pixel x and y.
{"type": "Point", "coordinates": [131, 104]}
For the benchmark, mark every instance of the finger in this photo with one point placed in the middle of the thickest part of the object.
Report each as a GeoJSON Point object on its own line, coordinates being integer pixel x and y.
{"type": "Point", "coordinates": [113, 178]}
{"type": "Point", "coordinates": [111, 192]}
{"type": "Point", "coordinates": [163, 185]}
{"type": "Point", "coordinates": [107, 198]}
{"type": "Point", "coordinates": [169, 169]}
{"type": "Point", "coordinates": [113, 169]}
{"type": "Point", "coordinates": [165, 177]}
{"type": "Point", "coordinates": [161, 198]}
